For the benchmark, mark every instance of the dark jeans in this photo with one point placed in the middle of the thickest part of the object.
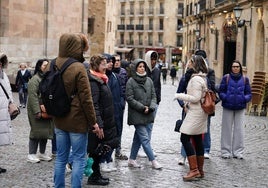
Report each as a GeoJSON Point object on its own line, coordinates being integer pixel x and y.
{"type": "Point", "coordinates": [23, 94]}
{"type": "Point", "coordinates": [192, 149]}
{"type": "Point", "coordinates": [207, 139]}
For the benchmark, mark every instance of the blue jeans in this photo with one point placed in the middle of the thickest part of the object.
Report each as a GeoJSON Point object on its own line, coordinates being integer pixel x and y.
{"type": "Point", "coordinates": [78, 142]}
{"type": "Point", "coordinates": [207, 140]}
{"type": "Point", "coordinates": [142, 137]}
{"type": "Point", "coordinates": [54, 145]}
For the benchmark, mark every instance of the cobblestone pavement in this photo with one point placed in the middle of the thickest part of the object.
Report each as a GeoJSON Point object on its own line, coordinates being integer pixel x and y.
{"type": "Point", "coordinates": [250, 172]}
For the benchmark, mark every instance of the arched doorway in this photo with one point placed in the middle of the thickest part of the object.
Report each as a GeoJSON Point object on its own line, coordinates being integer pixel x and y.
{"type": "Point", "coordinates": [229, 37]}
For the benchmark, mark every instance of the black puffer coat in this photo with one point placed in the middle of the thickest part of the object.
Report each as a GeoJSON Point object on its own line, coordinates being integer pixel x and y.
{"type": "Point", "coordinates": [104, 109]}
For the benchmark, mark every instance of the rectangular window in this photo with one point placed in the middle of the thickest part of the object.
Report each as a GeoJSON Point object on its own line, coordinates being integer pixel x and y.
{"type": "Point", "coordinates": [161, 24]}
{"type": "Point", "coordinates": [109, 26]}
{"type": "Point", "coordinates": [180, 8]}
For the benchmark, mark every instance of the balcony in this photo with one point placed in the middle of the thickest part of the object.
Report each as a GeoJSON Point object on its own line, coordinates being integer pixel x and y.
{"type": "Point", "coordinates": [130, 27]}
{"type": "Point", "coordinates": [202, 4]}
{"type": "Point", "coordinates": [139, 27]}
{"type": "Point", "coordinates": [121, 27]}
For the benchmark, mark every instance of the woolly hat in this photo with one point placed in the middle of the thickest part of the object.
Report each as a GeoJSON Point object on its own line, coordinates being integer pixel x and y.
{"type": "Point", "coordinates": [108, 57]}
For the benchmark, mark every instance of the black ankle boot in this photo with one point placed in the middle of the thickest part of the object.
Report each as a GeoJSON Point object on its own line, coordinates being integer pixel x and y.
{"type": "Point", "coordinates": [2, 170]}
{"type": "Point", "coordinates": [97, 181]}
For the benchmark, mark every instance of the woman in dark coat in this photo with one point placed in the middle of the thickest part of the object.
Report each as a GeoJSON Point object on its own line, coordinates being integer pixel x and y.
{"type": "Point", "coordinates": [103, 103]}
{"type": "Point", "coordinates": [41, 129]}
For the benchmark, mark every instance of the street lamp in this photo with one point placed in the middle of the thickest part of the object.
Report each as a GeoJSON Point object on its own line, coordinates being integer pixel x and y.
{"type": "Point", "coordinates": [237, 12]}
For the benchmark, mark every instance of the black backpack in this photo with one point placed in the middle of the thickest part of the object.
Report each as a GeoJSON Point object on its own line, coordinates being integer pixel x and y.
{"type": "Point", "coordinates": [53, 92]}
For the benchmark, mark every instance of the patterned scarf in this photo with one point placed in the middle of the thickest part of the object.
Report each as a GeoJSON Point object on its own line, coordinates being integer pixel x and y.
{"type": "Point", "coordinates": [100, 75]}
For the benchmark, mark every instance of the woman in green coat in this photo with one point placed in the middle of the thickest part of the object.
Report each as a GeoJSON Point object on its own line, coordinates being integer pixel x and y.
{"type": "Point", "coordinates": [41, 128]}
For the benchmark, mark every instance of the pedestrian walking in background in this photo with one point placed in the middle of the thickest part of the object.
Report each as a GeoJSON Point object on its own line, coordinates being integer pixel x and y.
{"type": "Point", "coordinates": [22, 78]}
{"type": "Point", "coordinates": [235, 93]}
{"type": "Point", "coordinates": [211, 86]}
{"type": "Point", "coordinates": [104, 107]}
{"type": "Point", "coordinates": [5, 121]}
{"type": "Point", "coordinates": [41, 129]}
{"type": "Point", "coordinates": [72, 129]}
{"type": "Point", "coordinates": [164, 73]}
{"type": "Point", "coordinates": [195, 122]}
{"type": "Point", "coordinates": [173, 73]}
{"type": "Point", "coordinates": [121, 73]}
{"type": "Point", "coordinates": [141, 101]}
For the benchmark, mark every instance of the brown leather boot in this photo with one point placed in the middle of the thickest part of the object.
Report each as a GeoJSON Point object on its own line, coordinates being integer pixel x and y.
{"type": "Point", "coordinates": [194, 172]}
{"type": "Point", "coordinates": [200, 164]}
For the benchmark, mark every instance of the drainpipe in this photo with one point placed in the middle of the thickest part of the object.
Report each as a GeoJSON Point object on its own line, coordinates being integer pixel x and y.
{"type": "Point", "coordinates": [45, 27]}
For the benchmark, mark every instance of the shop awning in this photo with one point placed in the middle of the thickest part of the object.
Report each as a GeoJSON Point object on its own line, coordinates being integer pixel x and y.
{"type": "Point", "coordinates": [123, 50]}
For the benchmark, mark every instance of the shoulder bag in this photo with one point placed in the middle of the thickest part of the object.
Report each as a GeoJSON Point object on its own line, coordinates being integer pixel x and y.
{"type": "Point", "coordinates": [13, 109]}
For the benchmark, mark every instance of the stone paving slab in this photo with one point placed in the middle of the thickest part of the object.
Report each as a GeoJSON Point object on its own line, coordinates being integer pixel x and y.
{"type": "Point", "coordinates": [250, 172]}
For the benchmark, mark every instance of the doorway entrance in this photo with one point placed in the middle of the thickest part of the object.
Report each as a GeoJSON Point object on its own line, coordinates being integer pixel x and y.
{"type": "Point", "coordinates": [229, 55]}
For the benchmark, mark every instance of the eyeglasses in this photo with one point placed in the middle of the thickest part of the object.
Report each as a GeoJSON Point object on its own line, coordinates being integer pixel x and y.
{"type": "Point", "coordinates": [235, 66]}
{"type": "Point", "coordinates": [117, 60]}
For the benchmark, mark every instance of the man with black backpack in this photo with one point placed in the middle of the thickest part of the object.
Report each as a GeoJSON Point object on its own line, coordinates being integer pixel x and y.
{"type": "Point", "coordinates": [72, 128]}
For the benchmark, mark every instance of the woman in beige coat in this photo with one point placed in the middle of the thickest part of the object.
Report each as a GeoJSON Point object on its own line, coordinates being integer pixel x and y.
{"type": "Point", "coordinates": [194, 124]}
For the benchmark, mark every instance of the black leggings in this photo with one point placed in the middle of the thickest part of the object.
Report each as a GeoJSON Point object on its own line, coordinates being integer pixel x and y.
{"type": "Point", "coordinates": [195, 148]}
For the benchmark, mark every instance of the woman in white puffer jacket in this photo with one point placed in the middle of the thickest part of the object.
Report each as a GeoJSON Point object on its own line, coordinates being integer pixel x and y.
{"type": "Point", "coordinates": [5, 121]}
{"type": "Point", "coordinates": [195, 123]}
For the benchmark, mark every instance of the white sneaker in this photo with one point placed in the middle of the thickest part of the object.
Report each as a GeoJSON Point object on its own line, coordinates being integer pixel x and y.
{"type": "Point", "coordinates": [33, 158]}
{"type": "Point", "coordinates": [206, 155]}
{"type": "Point", "coordinates": [44, 157]}
{"type": "Point", "coordinates": [156, 165]}
{"type": "Point", "coordinates": [111, 166]}
{"type": "Point", "coordinates": [68, 168]}
{"type": "Point", "coordinates": [104, 167]}
{"type": "Point", "coordinates": [182, 160]}
{"type": "Point", "coordinates": [133, 163]}
{"type": "Point", "coordinates": [142, 154]}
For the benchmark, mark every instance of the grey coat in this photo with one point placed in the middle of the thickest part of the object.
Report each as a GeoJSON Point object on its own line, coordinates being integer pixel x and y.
{"type": "Point", "coordinates": [140, 92]}
{"type": "Point", "coordinates": [5, 122]}
{"type": "Point", "coordinates": [40, 128]}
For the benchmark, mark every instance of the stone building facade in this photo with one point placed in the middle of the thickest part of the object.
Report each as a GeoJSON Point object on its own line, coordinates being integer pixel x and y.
{"type": "Point", "coordinates": [211, 25]}
{"type": "Point", "coordinates": [150, 25]}
{"type": "Point", "coordinates": [30, 30]}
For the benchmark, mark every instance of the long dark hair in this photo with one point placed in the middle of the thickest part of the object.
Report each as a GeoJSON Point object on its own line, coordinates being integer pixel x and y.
{"type": "Point", "coordinates": [38, 65]}
{"type": "Point", "coordinates": [3, 60]}
{"type": "Point", "coordinates": [199, 64]}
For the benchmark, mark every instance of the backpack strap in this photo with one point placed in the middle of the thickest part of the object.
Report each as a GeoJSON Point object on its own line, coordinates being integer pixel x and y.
{"type": "Point", "coordinates": [228, 78]}
{"type": "Point", "coordinates": [67, 64]}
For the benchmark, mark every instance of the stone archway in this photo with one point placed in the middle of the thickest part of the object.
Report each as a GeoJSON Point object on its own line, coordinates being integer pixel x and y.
{"type": "Point", "coordinates": [259, 47]}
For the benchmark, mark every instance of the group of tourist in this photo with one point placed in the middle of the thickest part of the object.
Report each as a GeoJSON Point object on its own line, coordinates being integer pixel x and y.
{"type": "Point", "coordinates": [93, 127]}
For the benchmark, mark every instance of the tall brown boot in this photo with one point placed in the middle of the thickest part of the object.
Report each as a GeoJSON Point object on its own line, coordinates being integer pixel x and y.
{"type": "Point", "coordinates": [194, 172]}
{"type": "Point", "coordinates": [200, 164]}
